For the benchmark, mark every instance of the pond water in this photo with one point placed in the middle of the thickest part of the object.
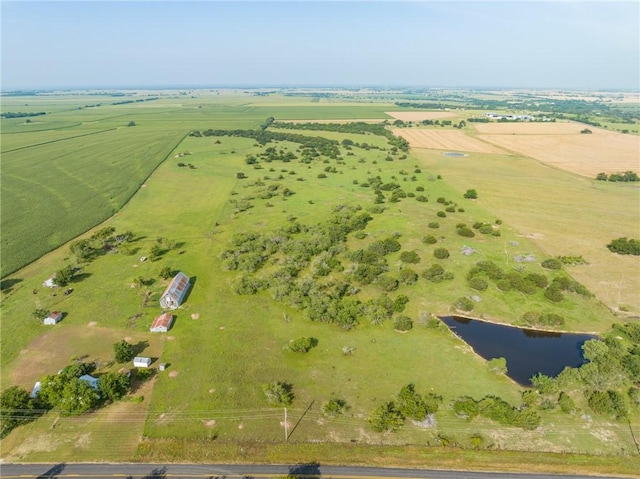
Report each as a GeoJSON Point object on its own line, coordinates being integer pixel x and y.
{"type": "Point", "coordinates": [527, 351]}
{"type": "Point", "coordinates": [453, 153]}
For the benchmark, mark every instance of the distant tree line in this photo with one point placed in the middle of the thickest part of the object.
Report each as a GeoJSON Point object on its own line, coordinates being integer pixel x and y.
{"type": "Point", "coordinates": [627, 176]}
{"type": "Point", "coordinates": [358, 127]}
{"type": "Point", "coordinates": [12, 114]}
{"type": "Point", "coordinates": [139, 100]}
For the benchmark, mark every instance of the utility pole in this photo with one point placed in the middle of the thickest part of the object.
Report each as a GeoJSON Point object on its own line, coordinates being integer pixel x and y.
{"type": "Point", "coordinates": [286, 428]}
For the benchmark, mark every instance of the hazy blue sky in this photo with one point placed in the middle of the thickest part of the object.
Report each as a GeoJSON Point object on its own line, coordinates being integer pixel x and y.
{"type": "Point", "coordinates": [159, 43]}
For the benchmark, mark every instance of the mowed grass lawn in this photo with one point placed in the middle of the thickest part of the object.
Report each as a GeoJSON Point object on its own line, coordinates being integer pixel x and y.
{"type": "Point", "coordinates": [223, 347]}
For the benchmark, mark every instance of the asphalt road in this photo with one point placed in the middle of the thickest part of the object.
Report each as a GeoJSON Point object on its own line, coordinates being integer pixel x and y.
{"type": "Point", "coordinates": [218, 471]}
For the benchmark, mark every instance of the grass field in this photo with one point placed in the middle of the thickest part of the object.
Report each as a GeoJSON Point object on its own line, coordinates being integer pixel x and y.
{"type": "Point", "coordinates": [211, 392]}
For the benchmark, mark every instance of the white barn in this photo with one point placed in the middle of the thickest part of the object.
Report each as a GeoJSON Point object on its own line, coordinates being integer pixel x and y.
{"type": "Point", "coordinates": [175, 292]}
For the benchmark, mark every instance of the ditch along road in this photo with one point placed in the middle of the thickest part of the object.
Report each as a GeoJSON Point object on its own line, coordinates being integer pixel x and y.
{"type": "Point", "coordinates": [219, 471]}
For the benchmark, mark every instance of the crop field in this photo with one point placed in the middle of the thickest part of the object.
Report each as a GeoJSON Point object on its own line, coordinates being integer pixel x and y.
{"type": "Point", "coordinates": [444, 140]}
{"type": "Point", "coordinates": [418, 116]}
{"type": "Point", "coordinates": [561, 145]}
{"type": "Point", "coordinates": [233, 333]}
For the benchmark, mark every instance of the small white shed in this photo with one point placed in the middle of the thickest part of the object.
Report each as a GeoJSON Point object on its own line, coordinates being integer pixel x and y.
{"type": "Point", "coordinates": [53, 318]}
{"type": "Point", "coordinates": [141, 362]}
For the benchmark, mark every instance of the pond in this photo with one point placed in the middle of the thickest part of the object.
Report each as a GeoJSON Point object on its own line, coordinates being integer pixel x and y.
{"type": "Point", "coordinates": [454, 154]}
{"type": "Point", "coordinates": [527, 351]}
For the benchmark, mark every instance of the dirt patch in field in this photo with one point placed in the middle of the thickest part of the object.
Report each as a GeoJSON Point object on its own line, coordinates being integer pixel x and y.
{"type": "Point", "coordinates": [92, 324]}
{"type": "Point", "coordinates": [210, 423]}
{"type": "Point", "coordinates": [53, 351]}
{"type": "Point", "coordinates": [421, 115]}
{"type": "Point", "coordinates": [195, 316]}
{"type": "Point", "coordinates": [584, 154]}
{"type": "Point", "coordinates": [444, 140]}
{"type": "Point", "coordinates": [173, 374]}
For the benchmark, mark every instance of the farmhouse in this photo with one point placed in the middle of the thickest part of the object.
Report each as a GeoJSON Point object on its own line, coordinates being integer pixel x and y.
{"type": "Point", "coordinates": [175, 292]}
{"type": "Point", "coordinates": [50, 283]}
{"type": "Point", "coordinates": [36, 389]}
{"type": "Point", "coordinates": [53, 318]}
{"type": "Point", "coordinates": [93, 382]}
{"type": "Point", "coordinates": [141, 362]}
{"type": "Point", "coordinates": [162, 323]}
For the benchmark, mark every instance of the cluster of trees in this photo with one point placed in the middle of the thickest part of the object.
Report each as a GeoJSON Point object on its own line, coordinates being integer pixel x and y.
{"type": "Point", "coordinates": [528, 283]}
{"type": "Point", "coordinates": [64, 391]}
{"type": "Point", "coordinates": [302, 255]}
{"type": "Point", "coordinates": [536, 318]}
{"type": "Point", "coordinates": [625, 246]}
{"type": "Point", "coordinates": [609, 381]}
{"type": "Point", "coordinates": [498, 410]}
{"type": "Point", "coordinates": [408, 404]}
{"type": "Point", "coordinates": [105, 239]}
{"type": "Point", "coordinates": [139, 100]}
{"type": "Point", "coordinates": [627, 176]}
{"type": "Point", "coordinates": [323, 145]}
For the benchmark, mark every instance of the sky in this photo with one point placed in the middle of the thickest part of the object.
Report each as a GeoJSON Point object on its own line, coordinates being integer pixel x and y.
{"type": "Point", "coordinates": [537, 44]}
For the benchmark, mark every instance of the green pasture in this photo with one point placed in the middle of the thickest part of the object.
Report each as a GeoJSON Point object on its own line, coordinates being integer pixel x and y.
{"type": "Point", "coordinates": [224, 346]}
{"type": "Point", "coordinates": [564, 214]}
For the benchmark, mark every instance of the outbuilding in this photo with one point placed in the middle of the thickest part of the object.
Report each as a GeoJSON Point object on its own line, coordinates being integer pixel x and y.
{"type": "Point", "coordinates": [53, 318]}
{"type": "Point", "coordinates": [162, 323]}
{"type": "Point", "coordinates": [90, 380]}
{"type": "Point", "coordinates": [141, 362]}
{"type": "Point", "coordinates": [50, 282]}
{"type": "Point", "coordinates": [175, 292]}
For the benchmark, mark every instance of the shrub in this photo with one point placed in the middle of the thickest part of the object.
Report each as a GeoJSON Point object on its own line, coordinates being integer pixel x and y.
{"type": "Point", "coordinates": [478, 284]}
{"type": "Point", "coordinates": [402, 323]}
{"type": "Point", "coordinates": [466, 232]}
{"type": "Point", "coordinates": [450, 209]}
{"type": "Point", "coordinates": [302, 345]}
{"type": "Point", "coordinates": [441, 253]}
{"type": "Point", "coordinates": [539, 280]}
{"type": "Point", "coordinates": [321, 175]}
{"type": "Point", "coordinates": [464, 304]}
{"type": "Point", "coordinates": [387, 282]}
{"type": "Point", "coordinates": [334, 407]}
{"type": "Point", "coordinates": [407, 276]}
{"type": "Point", "coordinates": [422, 198]}
{"type": "Point", "coordinates": [409, 257]}
{"type": "Point", "coordinates": [551, 263]}
{"type": "Point", "coordinates": [436, 274]}
{"type": "Point", "coordinates": [553, 293]}
{"type": "Point", "coordinates": [386, 417]}
{"type": "Point", "coordinates": [434, 225]}
{"type": "Point", "coordinates": [278, 393]}
{"type": "Point", "coordinates": [566, 403]}
{"type": "Point", "coordinates": [429, 239]}
{"type": "Point", "coordinates": [497, 365]}
{"type": "Point", "coordinates": [441, 214]}
{"type": "Point", "coordinates": [471, 194]}
{"type": "Point", "coordinates": [420, 188]}
{"type": "Point", "coordinates": [465, 407]}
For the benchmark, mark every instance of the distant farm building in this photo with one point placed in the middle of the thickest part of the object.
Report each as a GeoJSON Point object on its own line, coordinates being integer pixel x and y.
{"type": "Point", "coordinates": [175, 292]}
{"type": "Point", "coordinates": [141, 362]}
{"type": "Point", "coordinates": [496, 116]}
{"type": "Point", "coordinates": [53, 318]}
{"type": "Point", "coordinates": [50, 283]}
{"type": "Point", "coordinates": [162, 323]}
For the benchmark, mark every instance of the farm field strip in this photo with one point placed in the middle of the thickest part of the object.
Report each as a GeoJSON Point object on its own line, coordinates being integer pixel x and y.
{"type": "Point", "coordinates": [444, 140]}
{"type": "Point", "coordinates": [422, 115]}
{"type": "Point", "coordinates": [530, 128]}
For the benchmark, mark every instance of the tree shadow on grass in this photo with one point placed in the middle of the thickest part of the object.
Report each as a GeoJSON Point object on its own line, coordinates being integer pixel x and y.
{"type": "Point", "coordinates": [140, 347]}
{"type": "Point", "coordinates": [6, 285]}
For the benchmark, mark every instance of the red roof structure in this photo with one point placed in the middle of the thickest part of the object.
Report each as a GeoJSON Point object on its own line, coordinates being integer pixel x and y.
{"type": "Point", "coordinates": [162, 323]}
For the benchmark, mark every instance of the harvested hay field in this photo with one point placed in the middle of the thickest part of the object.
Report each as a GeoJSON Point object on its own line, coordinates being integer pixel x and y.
{"type": "Point", "coordinates": [531, 128]}
{"type": "Point", "coordinates": [421, 115]}
{"type": "Point", "coordinates": [444, 140]}
{"type": "Point", "coordinates": [563, 146]}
